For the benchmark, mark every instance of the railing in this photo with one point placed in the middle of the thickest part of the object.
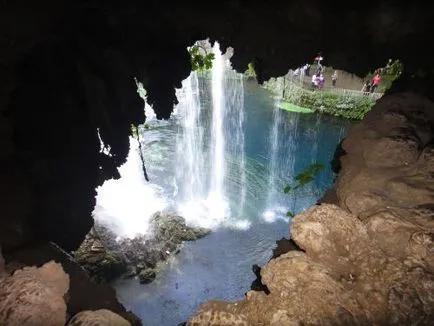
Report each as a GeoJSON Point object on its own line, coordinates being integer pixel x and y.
{"type": "Point", "coordinates": [301, 82]}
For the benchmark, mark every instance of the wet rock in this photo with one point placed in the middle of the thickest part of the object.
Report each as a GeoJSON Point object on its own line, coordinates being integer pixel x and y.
{"type": "Point", "coordinates": [105, 258]}
{"type": "Point", "coordinates": [257, 284]}
{"type": "Point", "coordinates": [147, 275]}
{"type": "Point", "coordinates": [283, 246]}
{"type": "Point", "coordinates": [100, 255]}
{"type": "Point", "coordinates": [101, 317]}
{"type": "Point", "coordinates": [329, 197]}
{"type": "Point", "coordinates": [336, 161]}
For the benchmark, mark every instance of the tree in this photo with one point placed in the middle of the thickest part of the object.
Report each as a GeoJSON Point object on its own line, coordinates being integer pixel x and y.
{"type": "Point", "coordinates": [250, 72]}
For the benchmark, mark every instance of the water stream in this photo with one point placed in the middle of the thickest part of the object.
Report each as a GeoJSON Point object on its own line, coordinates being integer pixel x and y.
{"type": "Point", "coordinates": [222, 162]}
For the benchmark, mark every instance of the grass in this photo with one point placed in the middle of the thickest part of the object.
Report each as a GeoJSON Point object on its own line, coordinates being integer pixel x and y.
{"type": "Point", "coordinates": [294, 108]}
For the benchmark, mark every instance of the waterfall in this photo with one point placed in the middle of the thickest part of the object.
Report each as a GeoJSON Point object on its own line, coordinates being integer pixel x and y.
{"type": "Point", "coordinates": [274, 144]}
{"type": "Point", "coordinates": [234, 128]}
{"type": "Point", "coordinates": [216, 197]}
{"type": "Point", "coordinates": [206, 159]}
{"type": "Point", "coordinates": [277, 179]}
{"type": "Point", "coordinates": [189, 142]}
{"type": "Point", "coordinates": [119, 203]}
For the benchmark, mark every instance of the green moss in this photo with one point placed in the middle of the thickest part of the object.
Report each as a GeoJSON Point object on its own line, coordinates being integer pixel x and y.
{"type": "Point", "coordinates": [294, 108]}
{"type": "Point", "coordinates": [147, 275]}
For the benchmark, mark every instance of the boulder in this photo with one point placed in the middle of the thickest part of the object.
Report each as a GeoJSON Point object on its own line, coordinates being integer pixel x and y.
{"type": "Point", "coordinates": [34, 296]}
{"type": "Point", "coordinates": [147, 275]}
{"type": "Point", "coordinates": [105, 257]}
{"type": "Point", "coordinates": [101, 317]}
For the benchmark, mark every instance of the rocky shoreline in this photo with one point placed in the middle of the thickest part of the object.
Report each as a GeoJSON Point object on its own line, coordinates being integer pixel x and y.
{"type": "Point", "coordinates": [367, 248]}
{"type": "Point", "coordinates": [106, 258]}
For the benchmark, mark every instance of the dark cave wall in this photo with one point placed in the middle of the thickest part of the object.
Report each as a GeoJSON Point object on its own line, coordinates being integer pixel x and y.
{"type": "Point", "coordinates": [67, 68]}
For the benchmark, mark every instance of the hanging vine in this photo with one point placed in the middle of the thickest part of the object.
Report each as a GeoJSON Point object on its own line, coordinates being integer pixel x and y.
{"type": "Point", "coordinates": [136, 135]}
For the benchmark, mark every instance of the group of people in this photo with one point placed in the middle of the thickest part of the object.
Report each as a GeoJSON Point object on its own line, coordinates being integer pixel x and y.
{"type": "Point", "coordinates": [372, 86]}
{"type": "Point", "coordinates": [318, 79]}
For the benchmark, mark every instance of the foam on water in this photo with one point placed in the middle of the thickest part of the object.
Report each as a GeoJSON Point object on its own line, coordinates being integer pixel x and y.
{"type": "Point", "coordinates": [127, 204]}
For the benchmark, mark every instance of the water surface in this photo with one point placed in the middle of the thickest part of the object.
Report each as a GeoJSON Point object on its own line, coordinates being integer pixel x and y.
{"type": "Point", "coordinates": [263, 149]}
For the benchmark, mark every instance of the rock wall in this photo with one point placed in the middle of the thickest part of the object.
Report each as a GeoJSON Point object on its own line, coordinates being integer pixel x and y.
{"type": "Point", "coordinates": [370, 259]}
{"type": "Point", "coordinates": [40, 295]}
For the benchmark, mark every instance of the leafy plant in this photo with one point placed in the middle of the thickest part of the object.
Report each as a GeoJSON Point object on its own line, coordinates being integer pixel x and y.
{"type": "Point", "coordinates": [199, 61]}
{"type": "Point", "coordinates": [134, 131]}
{"type": "Point", "coordinates": [303, 178]}
{"type": "Point", "coordinates": [391, 72]}
{"type": "Point", "coordinates": [250, 72]}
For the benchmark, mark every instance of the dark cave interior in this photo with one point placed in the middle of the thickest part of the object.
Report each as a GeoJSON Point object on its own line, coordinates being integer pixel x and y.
{"type": "Point", "coordinates": [68, 68]}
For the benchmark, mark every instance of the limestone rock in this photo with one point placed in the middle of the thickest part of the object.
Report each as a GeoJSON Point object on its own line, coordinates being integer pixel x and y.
{"type": "Point", "coordinates": [34, 296]}
{"type": "Point", "coordinates": [101, 317]}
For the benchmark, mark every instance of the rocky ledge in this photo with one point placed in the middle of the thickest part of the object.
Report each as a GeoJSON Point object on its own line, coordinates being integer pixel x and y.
{"type": "Point", "coordinates": [105, 257]}
{"type": "Point", "coordinates": [369, 259]}
{"type": "Point", "coordinates": [48, 296]}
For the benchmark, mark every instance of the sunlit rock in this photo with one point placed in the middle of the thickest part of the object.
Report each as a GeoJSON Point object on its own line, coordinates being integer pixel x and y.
{"type": "Point", "coordinates": [101, 317]}
{"type": "Point", "coordinates": [34, 296]}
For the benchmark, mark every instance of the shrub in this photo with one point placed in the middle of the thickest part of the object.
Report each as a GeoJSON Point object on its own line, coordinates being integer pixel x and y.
{"type": "Point", "coordinates": [349, 106]}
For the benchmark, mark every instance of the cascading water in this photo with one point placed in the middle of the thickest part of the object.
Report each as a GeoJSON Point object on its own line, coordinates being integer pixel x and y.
{"type": "Point", "coordinates": [222, 159]}
{"type": "Point", "coordinates": [274, 142]}
{"type": "Point", "coordinates": [189, 142]}
{"type": "Point", "coordinates": [216, 198]}
{"type": "Point", "coordinates": [204, 157]}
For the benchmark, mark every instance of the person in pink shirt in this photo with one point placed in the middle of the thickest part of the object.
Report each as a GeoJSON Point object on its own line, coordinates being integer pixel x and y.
{"type": "Point", "coordinates": [375, 82]}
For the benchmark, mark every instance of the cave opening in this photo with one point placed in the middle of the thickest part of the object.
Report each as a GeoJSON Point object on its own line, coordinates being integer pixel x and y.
{"type": "Point", "coordinates": [67, 78]}
{"type": "Point", "coordinates": [219, 164]}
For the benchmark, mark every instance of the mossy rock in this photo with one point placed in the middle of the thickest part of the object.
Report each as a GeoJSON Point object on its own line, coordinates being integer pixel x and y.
{"type": "Point", "coordinates": [147, 275]}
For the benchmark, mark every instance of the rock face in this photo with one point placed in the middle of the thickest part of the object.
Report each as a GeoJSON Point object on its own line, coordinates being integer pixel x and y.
{"type": "Point", "coordinates": [105, 257]}
{"type": "Point", "coordinates": [34, 296]}
{"type": "Point", "coordinates": [81, 293]}
{"type": "Point", "coordinates": [371, 260]}
{"type": "Point", "coordinates": [98, 317]}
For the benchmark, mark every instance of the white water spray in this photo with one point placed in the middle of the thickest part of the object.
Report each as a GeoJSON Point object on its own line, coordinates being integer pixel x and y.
{"type": "Point", "coordinates": [126, 204]}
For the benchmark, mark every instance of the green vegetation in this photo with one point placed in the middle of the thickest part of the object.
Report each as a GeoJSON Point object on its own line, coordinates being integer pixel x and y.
{"type": "Point", "coordinates": [347, 105]}
{"type": "Point", "coordinates": [294, 108]}
{"type": "Point", "coordinates": [303, 178]}
{"type": "Point", "coordinates": [198, 60]}
{"type": "Point", "coordinates": [250, 72]}
{"type": "Point", "coordinates": [134, 131]}
{"type": "Point", "coordinates": [389, 74]}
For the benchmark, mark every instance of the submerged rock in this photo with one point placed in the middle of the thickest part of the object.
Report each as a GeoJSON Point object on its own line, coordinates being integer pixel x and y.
{"type": "Point", "coordinates": [105, 258]}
